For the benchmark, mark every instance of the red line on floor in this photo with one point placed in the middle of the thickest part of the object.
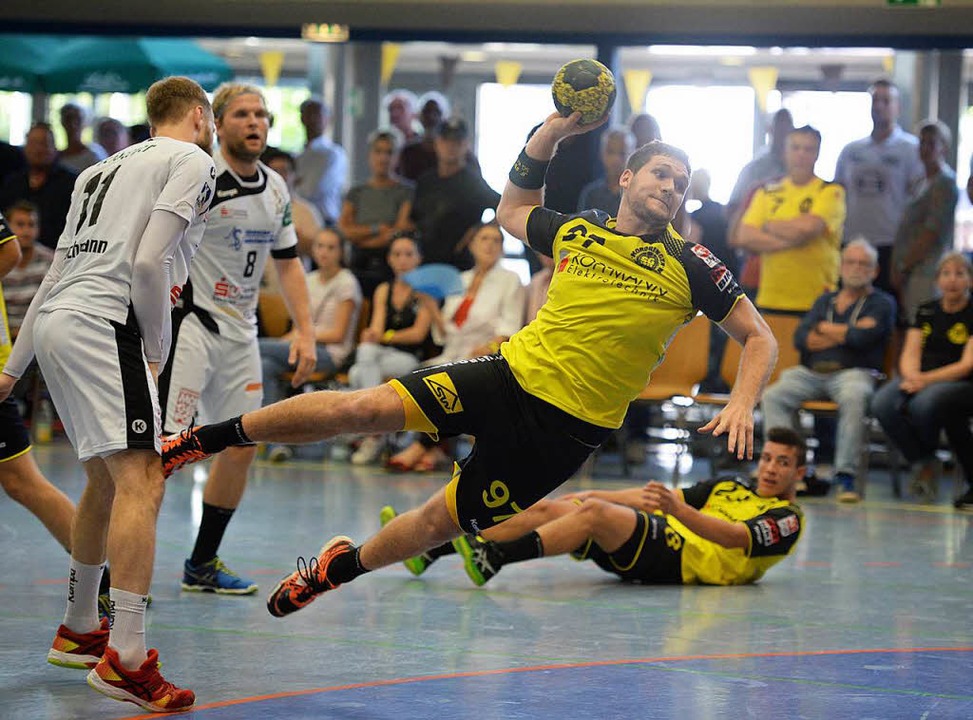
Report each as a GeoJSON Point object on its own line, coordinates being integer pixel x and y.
{"type": "Point", "coordinates": [563, 666]}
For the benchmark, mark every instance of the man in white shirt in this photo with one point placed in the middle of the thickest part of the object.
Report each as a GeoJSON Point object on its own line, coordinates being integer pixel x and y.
{"type": "Point", "coordinates": [879, 173]}
{"type": "Point", "coordinates": [100, 325]}
{"type": "Point", "coordinates": [214, 367]}
{"type": "Point", "coordinates": [322, 169]}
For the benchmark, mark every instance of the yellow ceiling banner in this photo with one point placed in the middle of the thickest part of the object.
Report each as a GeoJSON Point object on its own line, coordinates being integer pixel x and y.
{"type": "Point", "coordinates": [271, 63]}
{"type": "Point", "coordinates": [636, 85]}
{"type": "Point", "coordinates": [390, 56]}
{"type": "Point", "coordinates": [762, 80]}
{"type": "Point", "coordinates": [508, 72]}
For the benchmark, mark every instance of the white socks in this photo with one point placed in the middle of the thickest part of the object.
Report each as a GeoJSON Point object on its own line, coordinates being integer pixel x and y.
{"type": "Point", "coordinates": [81, 614]}
{"type": "Point", "coordinates": [128, 627]}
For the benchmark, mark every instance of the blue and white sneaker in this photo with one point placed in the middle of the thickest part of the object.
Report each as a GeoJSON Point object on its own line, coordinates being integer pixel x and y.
{"type": "Point", "coordinates": [215, 577]}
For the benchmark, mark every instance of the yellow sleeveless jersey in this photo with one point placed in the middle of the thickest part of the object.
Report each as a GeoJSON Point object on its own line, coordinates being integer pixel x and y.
{"type": "Point", "coordinates": [793, 279]}
{"type": "Point", "coordinates": [6, 235]}
{"type": "Point", "coordinates": [774, 525]}
{"type": "Point", "coordinates": [614, 303]}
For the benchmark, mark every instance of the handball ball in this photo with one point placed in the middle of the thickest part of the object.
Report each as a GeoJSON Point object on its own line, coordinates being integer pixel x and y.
{"type": "Point", "coordinates": [584, 86]}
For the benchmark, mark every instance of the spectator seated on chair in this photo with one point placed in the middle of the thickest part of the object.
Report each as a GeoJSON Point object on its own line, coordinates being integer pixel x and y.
{"type": "Point", "coordinates": [934, 390]}
{"type": "Point", "coordinates": [473, 324]}
{"type": "Point", "coordinates": [393, 342]}
{"type": "Point", "coordinates": [335, 301]}
{"type": "Point", "coordinates": [842, 341]}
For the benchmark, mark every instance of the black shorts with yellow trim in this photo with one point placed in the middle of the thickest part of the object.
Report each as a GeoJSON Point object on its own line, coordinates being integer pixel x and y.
{"type": "Point", "coordinates": [524, 449]}
{"type": "Point", "coordinates": [14, 439]}
{"type": "Point", "coordinates": [652, 555]}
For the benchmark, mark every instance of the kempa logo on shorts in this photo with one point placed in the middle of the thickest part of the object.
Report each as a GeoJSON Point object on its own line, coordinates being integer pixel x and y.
{"type": "Point", "coordinates": [444, 391]}
{"type": "Point", "coordinates": [139, 426]}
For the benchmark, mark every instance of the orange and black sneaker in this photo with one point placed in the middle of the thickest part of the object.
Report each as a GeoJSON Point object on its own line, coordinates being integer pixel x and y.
{"type": "Point", "coordinates": [78, 650]}
{"type": "Point", "coordinates": [309, 580]}
{"type": "Point", "coordinates": [145, 687]}
{"type": "Point", "coordinates": [181, 449]}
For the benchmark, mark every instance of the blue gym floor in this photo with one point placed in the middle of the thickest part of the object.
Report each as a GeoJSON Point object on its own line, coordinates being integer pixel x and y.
{"type": "Point", "coordinates": [869, 618]}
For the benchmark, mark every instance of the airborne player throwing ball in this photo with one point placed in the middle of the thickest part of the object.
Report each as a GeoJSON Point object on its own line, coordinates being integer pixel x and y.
{"type": "Point", "coordinates": [557, 388]}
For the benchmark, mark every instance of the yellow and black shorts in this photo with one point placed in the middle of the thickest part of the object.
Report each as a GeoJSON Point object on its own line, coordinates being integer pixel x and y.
{"type": "Point", "coordinates": [14, 440]}
{"type": "Point", "coordinates": [652, 555]}
{"type": "Point", "coordinates": [524, 448]}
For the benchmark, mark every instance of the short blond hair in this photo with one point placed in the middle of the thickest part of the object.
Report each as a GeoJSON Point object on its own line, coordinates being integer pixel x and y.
{"type": "Point", "coordinates": [168, 100]}
{"type": "Point", "coordinates": [226, 93]}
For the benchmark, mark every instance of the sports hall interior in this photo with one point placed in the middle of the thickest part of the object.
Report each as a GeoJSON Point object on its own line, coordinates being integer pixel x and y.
{"type": "Point", "coordinates": [869, 617]}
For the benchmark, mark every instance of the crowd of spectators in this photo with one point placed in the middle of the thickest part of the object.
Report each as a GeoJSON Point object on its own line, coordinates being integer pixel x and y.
{"type": "Point", "coordinates": [864, 259]}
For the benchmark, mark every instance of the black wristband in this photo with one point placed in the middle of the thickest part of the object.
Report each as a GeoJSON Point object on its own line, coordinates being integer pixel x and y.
{"type": "Point", "coordinates": [528, 173]}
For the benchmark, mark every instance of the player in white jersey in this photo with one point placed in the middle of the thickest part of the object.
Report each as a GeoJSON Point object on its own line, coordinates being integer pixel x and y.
{"type": "Point", "coordinates": [214, 366]}
{"type": "Point", "coordinates": [100, 325]}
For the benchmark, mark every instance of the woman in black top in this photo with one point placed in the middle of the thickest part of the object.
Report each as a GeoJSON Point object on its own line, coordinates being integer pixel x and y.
{"type": "Point", "coordinates": [934, 390]}
{"type": "Point", "coordinates": [393, 342]}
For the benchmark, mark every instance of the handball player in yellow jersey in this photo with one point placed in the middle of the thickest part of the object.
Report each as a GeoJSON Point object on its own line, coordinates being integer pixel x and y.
{"type": "Point", "coordinates": [556, 390]}
{"type": "Point", "coordinates": [717, 532]}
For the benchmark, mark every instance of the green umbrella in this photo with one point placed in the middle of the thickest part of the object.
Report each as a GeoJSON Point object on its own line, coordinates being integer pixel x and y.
{"type": "Point", "coordinates": [23, 58]}
{"type": "Point", "coordinates": [129, 65]}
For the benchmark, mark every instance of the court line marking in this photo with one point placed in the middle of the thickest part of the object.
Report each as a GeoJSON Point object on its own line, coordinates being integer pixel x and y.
{"type": "Point", "coordinates": [557, 666]}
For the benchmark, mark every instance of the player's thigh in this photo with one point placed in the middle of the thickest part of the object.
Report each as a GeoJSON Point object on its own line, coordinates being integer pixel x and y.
{"type": "Point", "coordinates": [235, 384]}
{"type": "Point", "coordinates": [100, 382]}
{"type": "Point", "coordinates": [651, 554]}
{"type": "Point", "coordinates": [507, 472]}
{"type": "Point", "coordinates": [192, 359]}
{"type": "Point", "coordinates": [462, 397]}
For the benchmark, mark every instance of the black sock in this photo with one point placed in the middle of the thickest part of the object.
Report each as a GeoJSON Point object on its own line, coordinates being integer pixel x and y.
{"type": "Point", "coordinates": [438, 552]}
{"type": "Point", "coordinates": [346, 567]}
{"type": "Point", "coordinates": [528, 547]}
{"type": "Point", "coordinates": [105, 585]}
{"type": "Point", "coordinates": [219, 436]}
{"type": "Point", "coordinates": [211, 529]}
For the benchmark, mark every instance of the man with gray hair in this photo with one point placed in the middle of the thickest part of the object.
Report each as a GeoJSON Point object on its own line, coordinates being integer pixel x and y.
{"type": "Point", "coordinates": [214, 365]}
{"type": "Point", "coordinates": [842, 340]}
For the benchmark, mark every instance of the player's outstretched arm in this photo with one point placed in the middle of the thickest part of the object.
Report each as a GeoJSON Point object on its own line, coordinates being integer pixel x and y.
{"type": "Point", "coordinates": [525, 184]}
{"type": "Point", "coordinates": [759, 356]}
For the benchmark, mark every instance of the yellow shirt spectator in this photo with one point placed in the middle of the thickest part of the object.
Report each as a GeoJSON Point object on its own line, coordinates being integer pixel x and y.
{"type": "Point", "coordinates": [794, 278]}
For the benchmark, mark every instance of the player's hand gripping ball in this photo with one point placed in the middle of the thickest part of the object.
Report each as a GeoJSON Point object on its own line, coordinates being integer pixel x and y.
{"type": "Point", "coordinates": [584, 86]}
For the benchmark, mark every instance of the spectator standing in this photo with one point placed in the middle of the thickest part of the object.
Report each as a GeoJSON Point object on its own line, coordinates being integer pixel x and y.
{"type": "Point", "coordinates": [45, 182]}
{"type": "Point", "coordinates": [450, 198]}
{"type": "Point", "coordinates": [605, 193]}
{"type": "Point", "coordinates": [307, 219]}
{"type": "Point", "coordinates": [375, 211]}
{"type": "Point", "coordinates": [111, 135]}
{"type": "Point", "coordinates": [926, 229]}
{"type": "Point", "coordinates": [322, 168]}
{"type": "Point", "coordinates": [419, 155]}
{"type": "Point", "coordinates": [795, 224]}
{"type": "Point", "coordinates": [766, 166]}
{"type": "Point", "coordinates": [879, 174]}
{"type": "Point", "coordinates": [77, 155]}
{"type": "Point", "coordinates": [645, 128]}
{"type": "Point", "coordinates": [401, 107]}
